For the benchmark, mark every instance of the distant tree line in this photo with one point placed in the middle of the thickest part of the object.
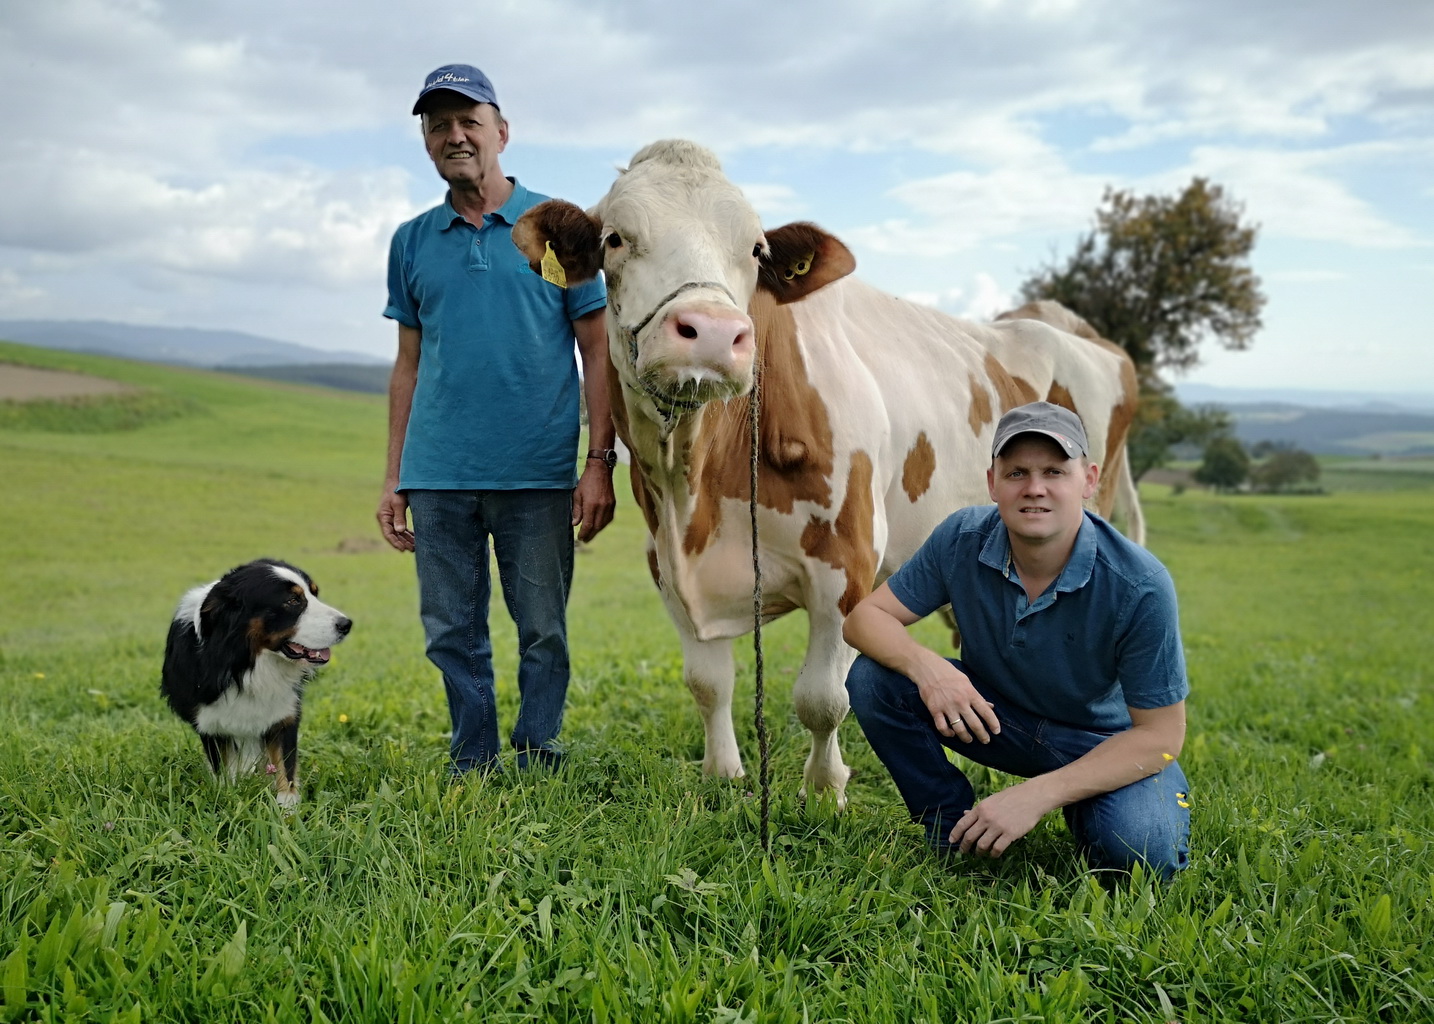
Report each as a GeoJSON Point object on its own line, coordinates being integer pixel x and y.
{"type": "Point", "coordinates": [1269, 467]}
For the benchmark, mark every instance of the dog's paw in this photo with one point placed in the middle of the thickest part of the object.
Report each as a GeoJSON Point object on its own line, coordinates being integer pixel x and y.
{"type": "Point", "coordinates": [288, 799]}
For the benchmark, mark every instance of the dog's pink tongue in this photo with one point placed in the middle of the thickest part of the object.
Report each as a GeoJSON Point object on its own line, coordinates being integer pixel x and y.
{"type": "Point", "coordinates": [321, 656]}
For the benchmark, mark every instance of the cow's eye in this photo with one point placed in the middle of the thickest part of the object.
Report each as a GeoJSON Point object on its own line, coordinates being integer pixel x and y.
{"type": "Point", "coordinates": [614, 241]}
{"type": "Point", "coordinates": [757, 251]}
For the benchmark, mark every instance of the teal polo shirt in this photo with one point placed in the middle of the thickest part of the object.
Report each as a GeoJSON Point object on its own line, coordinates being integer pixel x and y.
{"type": "Point", "coordinates": [495, 406]}
{"type": "Point", "coordinates": [1103, 637]}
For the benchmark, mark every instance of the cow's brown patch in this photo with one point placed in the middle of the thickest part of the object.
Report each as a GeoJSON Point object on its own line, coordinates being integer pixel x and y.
{"type": "Point", "coordinates": [653, 568]}
{"type": "Point", "coordinates": [801, 258]}
{"type": "Point", "coordinates": [795, 433]}
{"type": "Point", "coordinates": [979, 413]}
{"type": "Point", "coordinates": [920, 464]}
{"type": "Point", "coordinates": [847, 543]}
{"type": "Point", "coordinates": [1011, 391]}
{"type": "Point", "coordinates": [1122, 415]}
{"type": "Point", "coordinates": [644, 491]}
{"type": "Point", "coordinates": [1058, 395]}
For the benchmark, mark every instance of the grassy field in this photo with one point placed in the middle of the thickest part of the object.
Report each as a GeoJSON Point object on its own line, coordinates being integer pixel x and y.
{"type": "Point", "coordinates": [630, 888]}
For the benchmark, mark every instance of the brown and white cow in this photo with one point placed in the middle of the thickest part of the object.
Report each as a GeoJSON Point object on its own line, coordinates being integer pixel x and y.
{"type": "Point", "coordinates": [876, 417]}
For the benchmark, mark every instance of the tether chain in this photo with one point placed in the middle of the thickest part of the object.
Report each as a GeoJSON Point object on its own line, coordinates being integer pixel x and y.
{"type": "Point", "coordinates": [763, 772]}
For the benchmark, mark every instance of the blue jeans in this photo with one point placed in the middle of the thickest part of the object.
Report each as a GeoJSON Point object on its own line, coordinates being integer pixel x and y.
{"type": "Point", "coordinates": [532, 537]}
{"type": "Point", "coordinates": [1143, 821]}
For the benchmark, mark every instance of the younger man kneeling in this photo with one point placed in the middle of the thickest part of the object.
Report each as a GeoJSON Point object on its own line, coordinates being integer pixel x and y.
{"type": "Point", "coordinates": [1071, 676]}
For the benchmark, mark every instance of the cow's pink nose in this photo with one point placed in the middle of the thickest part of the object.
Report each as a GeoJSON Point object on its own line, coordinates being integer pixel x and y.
{"type": "Point", "coordinates": [715, 336]}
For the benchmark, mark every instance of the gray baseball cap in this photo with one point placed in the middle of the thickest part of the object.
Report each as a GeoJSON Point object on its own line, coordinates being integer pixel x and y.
{"type": "Point", "coordinates": [1054, 421]}
{"type": "Point", "coordinates": [464, 79]}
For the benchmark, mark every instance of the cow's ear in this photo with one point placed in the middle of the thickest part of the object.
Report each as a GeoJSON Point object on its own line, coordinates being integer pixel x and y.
{"type": "Point", "coordinates": [800, 259]}
{"type": "Point", "coordinates": [572, 234]}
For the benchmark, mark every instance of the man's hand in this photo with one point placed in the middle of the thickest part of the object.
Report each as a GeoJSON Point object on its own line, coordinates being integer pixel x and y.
{"type": "Point", "coordinates": [393, 519]}
{"type": "Point", "coordinates": [999, 820]}
{"type": "Point", "coordinates": [593, 500]}
{"type": "Point", "coordinates": [957, 709]}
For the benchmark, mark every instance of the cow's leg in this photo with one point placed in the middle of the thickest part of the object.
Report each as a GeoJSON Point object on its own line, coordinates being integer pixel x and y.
{"type": "Point", "coordinates": [821, 702]}
{"type": "Point", "coordinates": [1127, 501]}
{"type": "Point", "coordinates": [707, 667]}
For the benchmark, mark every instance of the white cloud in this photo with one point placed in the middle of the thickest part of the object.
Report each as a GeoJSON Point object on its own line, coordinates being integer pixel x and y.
{"type": "Point", "coordinates": [305, 225]}
{"type": "Point", "coordinates": [212, 161]}
{"type": "Point", "coordinates": [946, 299]}
{"type": "Point", "coordinates": [964, 210]}
{"type": "Point", "coordinates": [17, 295]}
{"type": "Point", "coordinates": [1300, 195]}
{"type": "Point", "coordinates": [774, 202]}
{"type": "Point", "coordinates": [988, 299]}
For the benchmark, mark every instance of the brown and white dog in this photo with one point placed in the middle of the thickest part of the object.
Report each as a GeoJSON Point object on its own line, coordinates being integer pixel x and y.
{"type": "Point", "coordinates": [239, 652]}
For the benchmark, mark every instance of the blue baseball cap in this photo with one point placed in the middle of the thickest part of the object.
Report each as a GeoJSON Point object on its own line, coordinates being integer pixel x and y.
{"type": "Point", "coordinates": [464, 79]}
{"type": "Point", "coordinates": [1059, 424]}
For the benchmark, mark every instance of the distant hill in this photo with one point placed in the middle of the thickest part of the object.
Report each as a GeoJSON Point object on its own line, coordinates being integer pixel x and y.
{"type": "Point", "coordinates": [1327, 422]}
{"type": "Point", "coordinates": [344, 376]}
{"type": "Point", "coordinates": [1334, 431]}
{"type": "Point", "coordinates": [184, 346]}
{"type": "Point", "coordinates": [1354, 401]}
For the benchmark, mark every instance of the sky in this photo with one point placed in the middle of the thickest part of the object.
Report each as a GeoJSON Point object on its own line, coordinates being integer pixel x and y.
{"type": "Point", "coordinates": [242, 165]}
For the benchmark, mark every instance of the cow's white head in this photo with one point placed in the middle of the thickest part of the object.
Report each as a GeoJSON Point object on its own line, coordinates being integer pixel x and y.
{"type": "Point", "coordinates": [683, 253]}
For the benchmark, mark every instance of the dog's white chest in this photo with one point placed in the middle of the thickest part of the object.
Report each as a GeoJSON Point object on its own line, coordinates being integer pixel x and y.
{"type": "Point", "coordinates": [271, 694]}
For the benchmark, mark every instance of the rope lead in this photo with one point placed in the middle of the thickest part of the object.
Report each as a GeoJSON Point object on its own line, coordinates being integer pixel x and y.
{"type": "Point", "coordinates": [764, 772]}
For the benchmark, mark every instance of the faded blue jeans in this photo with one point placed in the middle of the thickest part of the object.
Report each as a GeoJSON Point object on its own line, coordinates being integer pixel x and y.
{"type": "Point", "coordinates": [532, 537]}
{"type": "Point", "coordinates": [1144, 821]}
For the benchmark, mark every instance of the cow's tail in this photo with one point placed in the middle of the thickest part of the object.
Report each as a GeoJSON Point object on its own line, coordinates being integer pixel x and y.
{"type": "Point", "coordinates": [1127, 508]}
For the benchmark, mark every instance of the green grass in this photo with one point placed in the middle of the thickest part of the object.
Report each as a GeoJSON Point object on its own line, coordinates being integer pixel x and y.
{"type": "Point", "coordinates": [631, 888]}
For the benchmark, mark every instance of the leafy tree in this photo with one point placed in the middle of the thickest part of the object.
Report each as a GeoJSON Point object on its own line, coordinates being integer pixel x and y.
{"type": "Point", "coordinates": [1287, 467]}
{"type": "Point", "coordinates": [1161, 423]}
{"type": "Point", "coordinates": [1226, 464]}
{"type": "Point", "coordinates": [1159, 274]}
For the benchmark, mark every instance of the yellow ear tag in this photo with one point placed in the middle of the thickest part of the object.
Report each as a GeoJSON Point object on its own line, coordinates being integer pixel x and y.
{"type": "Point", "coordinates": [553, 271]}
{"type": "Point", "coordinates": [800, 267]}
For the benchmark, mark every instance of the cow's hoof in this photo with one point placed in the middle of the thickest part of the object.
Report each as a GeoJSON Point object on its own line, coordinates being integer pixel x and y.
{"type": "Point", "coordinates": [720, 770]}
{"type": "Point", "coordinates": [831, 787]}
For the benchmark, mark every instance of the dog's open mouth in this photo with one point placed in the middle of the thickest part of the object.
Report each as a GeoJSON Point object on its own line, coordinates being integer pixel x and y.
{"type": "Point", "coordinates": [298, 652]}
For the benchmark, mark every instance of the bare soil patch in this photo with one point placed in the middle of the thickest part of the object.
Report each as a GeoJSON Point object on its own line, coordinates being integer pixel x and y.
{"type": "Point", "coordinates": [30, 384]}
{"type": "Point", "coordinates": [1169, 477]}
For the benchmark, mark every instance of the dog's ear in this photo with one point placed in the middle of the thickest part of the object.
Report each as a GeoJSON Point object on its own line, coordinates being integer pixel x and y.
{"type": "Point", "coordinates": [225, 653]}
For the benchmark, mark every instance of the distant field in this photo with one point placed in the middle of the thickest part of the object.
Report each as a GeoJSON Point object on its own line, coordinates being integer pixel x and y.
{"type": "Point", "coordinates": [1338, 473]}
{"type": "Point", "coordinates": [632, 889]}
{"type": "Point", "coordinates": [1388, 474]}
{"type": "Point", "coordinates": [30, 383]}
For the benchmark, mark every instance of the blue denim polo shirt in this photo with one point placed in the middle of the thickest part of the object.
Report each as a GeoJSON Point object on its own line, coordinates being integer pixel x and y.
{"type": "Point", "coordinates": [1103, 637]}
{"type": "Point", "coordinates": [495, 406]}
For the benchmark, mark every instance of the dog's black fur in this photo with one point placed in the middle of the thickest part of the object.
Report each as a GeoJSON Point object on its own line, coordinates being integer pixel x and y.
{"type": "Point", "coordinates": [239, 652]}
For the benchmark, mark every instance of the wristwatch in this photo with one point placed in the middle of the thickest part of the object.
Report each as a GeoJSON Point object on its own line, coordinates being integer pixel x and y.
{"type": "Point", "coordinates": [607, 456]}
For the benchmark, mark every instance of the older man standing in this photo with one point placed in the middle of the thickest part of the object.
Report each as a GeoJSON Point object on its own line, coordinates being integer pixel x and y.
{"type": "Point", "coordinates": [483, 427]}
